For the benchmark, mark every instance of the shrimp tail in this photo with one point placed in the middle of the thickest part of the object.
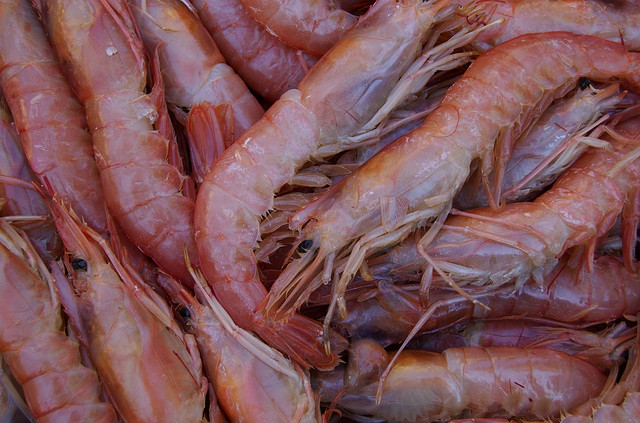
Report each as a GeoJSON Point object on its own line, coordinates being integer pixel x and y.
{"type": "Point", "coordinates": [630, 219]}
{"type": "Point", "coordinates": [210, 132]}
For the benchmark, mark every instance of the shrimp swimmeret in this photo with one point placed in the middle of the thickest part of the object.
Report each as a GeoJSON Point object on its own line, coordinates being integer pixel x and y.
{"type": "Point", "coordinates": [414, 179]}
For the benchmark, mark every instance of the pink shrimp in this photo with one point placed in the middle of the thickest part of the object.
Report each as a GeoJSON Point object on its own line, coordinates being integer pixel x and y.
{"type": "Point", "coordinates": [143, 188]}
{"type": "Point", "coordinates": [309, 25]}
{"type": "Point", "coordinates": [414, 179]}
{"type": "Point", "coordinates": [150, 369]}
{"type": "Point", "coordinates": [340, 93]}
{"type": "Point", "coordinates": [42, 358]}
{"type": "Point", "coordinates": [499, 381]}
{"type": "Point", "coordinates": [612, 20]}
{"type": "Point", "coordinates": [265, 63]}
{"type": "Point", "coordinates": [525, 239]}
{"type": "Point", "coordinates": [193, 69]}
{"type": "Point", "coordinates": [24, 201]}
{"type": "Point", "coordinates": [569, 295]}
{"type": "Point", "coordinates": [50, 121]}
{"type": "Point", "coordinates": [252, 382]}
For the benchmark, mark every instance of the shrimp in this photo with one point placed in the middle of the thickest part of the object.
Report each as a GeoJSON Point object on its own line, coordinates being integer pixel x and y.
{"type": "Point", "coordinates": [150, 369]}
{"type": "Point", "coordinates": [194, 71]}
{"type": "Point", "coordinates": [605, 294]}
{"type": "Point", "coordinates": [612, 20]}
{"type": "Point", "coordinates": [23, 202]}
{"type": "Point", "coordinates": [340, 93]}
{"type": "Point", "coordinates": [499, 381]}
{"type": "Point", "coordinates": [313, 26]}
{"type": "Point", "coordinates": [414, 178]}
{"type": "Point", "coordinates": [265, 63]}
{"type": "Point", "coordinates": [34, 344]}
{"type": "Point", "coordinates": [556, 137]}
{"type": "Point", "coordinates": [524, 239]}
{"type": "Point", "coordinates": [252, 382]}
{"type": "Point", "coordinates": [143, 188]}
{"type": "Point", "coordinates": [49, 120]}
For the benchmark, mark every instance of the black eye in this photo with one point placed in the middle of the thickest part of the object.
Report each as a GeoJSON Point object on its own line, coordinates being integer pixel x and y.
{"type": "Point", "coordinates": [78, 264]}
{"type": "Point", "coordinates": [184, 312]}
{"type": "Point", "coordinates": [584, 83]}
{"type": "Point", "coordinates": [304, 246]}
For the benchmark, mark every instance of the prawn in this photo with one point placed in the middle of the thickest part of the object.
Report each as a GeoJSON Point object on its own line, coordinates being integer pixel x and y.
{"type": "Point", "coordinates": [48, 118]}
{"type": "Point", "coordinates": [194, 72]}
{"type": "Point", "coordinates": [21, 201]}
{"type": "Point", "coordinates": [265, 63]}
{"type": "Point", "coordinates": [609, 292]}
{"type": "Point", "coordinates": [343, 90]}
{"type": "Point", "coordinates": [425, 386]}
{"type": "Point", "coordinates": [616, 21]}
{"type": "Point", "coordinates": [309, 25]}
{"type": "Point", "coordinates": [252, 382]}
{"type": "Point", "coordinates": [524, 239]}
{"type": "Point", "coordinates": [150, 369]}
{"type": "Point", "coordinates": [414, 179]}
{"type": "Point", "coordinates": [143, 182]}
{"type": "Point", "coordinates": [34, 344]}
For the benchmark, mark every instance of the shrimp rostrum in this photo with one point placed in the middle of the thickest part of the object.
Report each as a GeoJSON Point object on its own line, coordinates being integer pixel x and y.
{"type": "Point", "coordinates": [413, 179]}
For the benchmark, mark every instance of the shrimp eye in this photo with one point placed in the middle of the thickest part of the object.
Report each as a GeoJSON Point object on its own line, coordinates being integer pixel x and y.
{"type": "Point", "coordinates": [184, 312]}
{"type": "Point", "coordinates": [304, 246]}
{"type": "Point", "coordinates": [78, 264]}
{"type": "Point", "coordinates": [583, 83]}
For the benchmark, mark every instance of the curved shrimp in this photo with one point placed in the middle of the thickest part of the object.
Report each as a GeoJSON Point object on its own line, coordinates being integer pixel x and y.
{"type": "Point", "coordinates": [569, 295]}
{"type": "Point", "coordinates": [35, 218]}
{"type": "Point", "coordinates": [34, 344]}
{"type": "Point", "coordinates": [143, 188]}
{"type": "Point", "coordinates": [340, 93]}
{"type": "Point", "coordinates": [252, 382]}
{"type": "Point", "coordinates": [424, 386]}
{"type": "Point", "coordinates": [309, 25]}
{"type": "Point", "coordinates": [265, 63]}
{"type": "Point", "coordinates": [150, 369]}
{"type": "Point", "coordinates": [50, 121]}
{"type": "Point", "coordinates": [414, 179]}
{"type": "Point", "coordinates": [194, 71]}
{"type": "Point", "coordinates": [524, 239]}
{"type": "Point", "coordinates": [613, 20]}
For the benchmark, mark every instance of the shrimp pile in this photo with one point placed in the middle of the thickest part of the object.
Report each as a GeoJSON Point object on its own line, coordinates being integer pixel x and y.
{"type": "Point", "coordinates": [312, 211]}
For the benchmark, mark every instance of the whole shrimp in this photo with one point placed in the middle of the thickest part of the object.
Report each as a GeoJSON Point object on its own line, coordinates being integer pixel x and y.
{"type": "Point", "coordinates": [252, 382]}
{"type": "Point", "coordinates": [50, 121]}
{"type": "Point", "coordinates": [612, 20]}
{"type": "Point", "coordinates": [193, 70]}
{"type": "Point", "coordinates": [309, 25]}
{"type": "Point", "coordinates": [265, 63]}
{"type": "Point", "coordinates": [525, 239]}
{"type": "Point", "coordinates": [135, 148]}
{"type": "Point", "coordinates": [480, 382]}
{"type": "Point", "coordinates": [605, 294]}
{"type": "Point", "coordinates": [20, 200]}
{"type": "Point", "coordinates": [34, 344]}
{"type": "Point", "coordinates": [341, 92]}
{"type": "Point", "coordinates": [150, 369]}
{"type": "Point", "coordinates": [414, 178]}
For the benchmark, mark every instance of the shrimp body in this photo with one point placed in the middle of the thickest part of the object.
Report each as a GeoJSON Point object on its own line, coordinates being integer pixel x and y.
{"type": "Point", "coordinates": [193, 68]}
{"type": "Point", "coordinates": [615, 21]}
{"type": "Point", "coordinates": [50, 121]}
{"type": "Point", "coordinates": [414, 178]}
{"type": "Point", "coordinates": [309, 25]}
{"type": "Point", "coordinates": [144, 190]}
{"type": "Point", "coordinates": [150, 369]}
{"type": "Point", "coordinates": [340, 92]}
{"type": "Point", "coordinates": [34, 344]}
{"type": "Point", "coordinates": [265, 63]}
{"type": "Point", "coordinates": [500, 381]}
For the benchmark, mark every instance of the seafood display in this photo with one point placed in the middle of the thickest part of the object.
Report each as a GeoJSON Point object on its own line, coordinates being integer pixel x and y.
{"type": "Point", "coordinates": [342, 211]}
